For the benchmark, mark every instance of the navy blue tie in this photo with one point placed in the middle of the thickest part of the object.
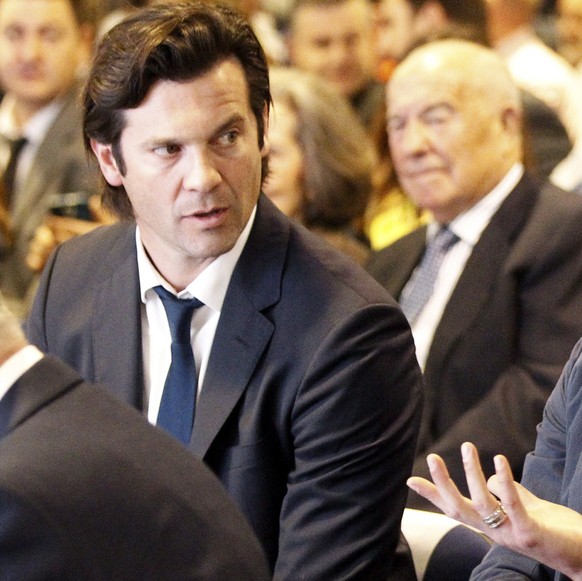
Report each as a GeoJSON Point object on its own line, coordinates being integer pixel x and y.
{"type": "Point", "coordinates": [178, 403]}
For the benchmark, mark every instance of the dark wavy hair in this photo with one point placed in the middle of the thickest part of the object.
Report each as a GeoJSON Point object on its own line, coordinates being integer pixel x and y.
{"type": "Point", "coordinates": [173, 42]}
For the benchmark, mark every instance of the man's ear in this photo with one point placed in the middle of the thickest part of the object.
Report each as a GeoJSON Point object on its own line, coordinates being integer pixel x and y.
{"type": "Point", "coordinates": [512, 120]}
{"type": "Point", "coordinates": [107, 163]}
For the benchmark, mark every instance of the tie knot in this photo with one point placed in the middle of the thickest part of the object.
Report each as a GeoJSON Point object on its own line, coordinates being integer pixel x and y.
{"type": "Point", "coordinates": [16, 145]}
{"type": "Point", "coordinates": [179, 313]}
{"type": "Point", "coordinates": [419, 288]}
{"type": "Point", "coordinates": [444, 238]}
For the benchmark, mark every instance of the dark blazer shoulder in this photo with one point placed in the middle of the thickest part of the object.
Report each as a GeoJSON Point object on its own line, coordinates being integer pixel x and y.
{"type": "Point", "coordinates": [25, 397]}
{"type": "Point", "coordinates": [281, 252]}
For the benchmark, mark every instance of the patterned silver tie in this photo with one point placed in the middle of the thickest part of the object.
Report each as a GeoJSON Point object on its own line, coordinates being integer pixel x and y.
{"type": "Point", "coordinates": [420, 286]}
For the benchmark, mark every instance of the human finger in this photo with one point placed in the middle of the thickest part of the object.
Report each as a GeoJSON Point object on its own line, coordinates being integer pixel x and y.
{"type": "Point", "coordinates": [425, 488]}
{"type": "Point", "coordinates": [441, 479]}
{"type": "Point", "coordinates": [452, 502]}
{"type": "Point", "coordinates": [486, 505]}
{"type": "Point", "coordinates": [504, 486]}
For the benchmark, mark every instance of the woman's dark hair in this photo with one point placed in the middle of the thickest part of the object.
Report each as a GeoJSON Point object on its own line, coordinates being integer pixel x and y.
{"type": "Point", "coordinates": [173, 42]}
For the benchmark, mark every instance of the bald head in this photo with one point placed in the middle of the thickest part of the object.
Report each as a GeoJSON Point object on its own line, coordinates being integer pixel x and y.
{"type": "Point", "coordinates": [454, 124]}
{"type": "Point", "coordinates": [476, 70]}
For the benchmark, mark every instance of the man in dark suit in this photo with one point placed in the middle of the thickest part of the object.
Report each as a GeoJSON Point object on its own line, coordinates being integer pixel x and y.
{"type": "Point", "coordinates": [503, 313]}
{"type": "Point", "coordinates": [308, 392]}
{"type": "Point", "coordinates": [89, 490]}
{"type": "Point", "coordinates": [44, 47]}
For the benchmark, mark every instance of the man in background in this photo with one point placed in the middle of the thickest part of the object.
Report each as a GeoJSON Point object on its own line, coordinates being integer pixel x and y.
{"type": "Point", "coordinates": [533, 65]}
{"type": "Point", "coordinates": [334, 40]}
{"type": "Point", "coordinates": [569, 31]}
{"type": "Point", "coordinates": [402, 24]}
{"type": "Point", "coordinates": [493, 287]}
{"type": "Point", "coordinates": [45, 46]}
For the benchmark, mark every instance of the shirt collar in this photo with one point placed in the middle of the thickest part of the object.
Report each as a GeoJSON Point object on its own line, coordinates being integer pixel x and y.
{"type": "Point", "coordinates": [16, 366]}
{"type": "Point", "coordinates": [210, 285]}
{"type": "Point", "coordinates": [469, 225]}
{"type": "Point", "coordinates": [36, 127]}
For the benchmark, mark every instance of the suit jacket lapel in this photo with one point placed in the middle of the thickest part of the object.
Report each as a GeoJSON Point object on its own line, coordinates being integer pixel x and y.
{"type": "Point", "coordinates": [40, 385]}
{"type": "Point", "coordinates": [243, 331]}
{"type": "Point", "coordinates": [46, 165]}
{"type": "Point", "coordinates": [116, 323]}
{"type": "Point", "coordinates": [480, 273]}
{"type": "Point", "coordinates": [410, 248]}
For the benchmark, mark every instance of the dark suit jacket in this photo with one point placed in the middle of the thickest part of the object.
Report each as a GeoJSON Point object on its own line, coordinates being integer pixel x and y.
{"type": "Point", "coordinates": [506, 332]}
{"type": "Point", "coordinates": [546, 140]}
{"type": "Point", "coordinates": [60, 166]}
{"type": "Point", "coordinates": [310, 406]}
{"type": "Point", "coordinates": [89, 490]}
{"type": "Point", "coordinates": [553, 471]}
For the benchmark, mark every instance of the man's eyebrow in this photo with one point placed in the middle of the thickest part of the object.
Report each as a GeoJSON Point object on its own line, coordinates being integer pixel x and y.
{"type": "Point", "coordinates": [440, 105]}
{"type": "Point", "coordinates": [234, 119]}
{"type": "Point", "coordinates": [157, 141]}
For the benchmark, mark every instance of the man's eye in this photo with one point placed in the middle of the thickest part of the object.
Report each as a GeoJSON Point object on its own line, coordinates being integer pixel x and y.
{"type": "Point", "coordinates": [13, 34]}
{"type": "Point", "coordinates": [167, 150]}
{"type": "Point", "coordinates": [393, 125]}
{"type": "Point", "coordinates": [52, 35]}
{"type": "Point", "coordinates": [322, 43]}
{"type": "Point", "coordinates": [228, 137]}
{"type": "Point", "coordinates": [436, 119]}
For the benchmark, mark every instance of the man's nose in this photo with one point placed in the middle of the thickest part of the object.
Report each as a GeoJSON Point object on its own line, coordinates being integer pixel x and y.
{"type": "Point", "coordinates": [202, 174]}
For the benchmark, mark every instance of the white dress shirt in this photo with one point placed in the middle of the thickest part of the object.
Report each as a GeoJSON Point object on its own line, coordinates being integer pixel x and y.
{"type": "Point", "coordinates": [210, 287]}
{"type": "Point", "coordinates": [16, 366]}
{"type": "Point", "coordinates": [468, 226]}
{"type": "Point", "coordinates": [34, 130]}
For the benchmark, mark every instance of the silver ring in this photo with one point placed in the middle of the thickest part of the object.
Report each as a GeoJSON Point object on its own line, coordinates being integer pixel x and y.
{"type": "Point", "coordinates": [496, 518]}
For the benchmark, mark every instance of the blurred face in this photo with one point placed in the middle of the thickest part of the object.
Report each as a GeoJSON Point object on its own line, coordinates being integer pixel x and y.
{"type": "Point", "coordinates": [192, 169]}
{"type": "Point", "coordinates": [41, 48]}
{"type": "Point", "coordinates": [569, 24]}
{"type": "Point", "coordinates": [394, 28]}
{"type": "Point", "coordinates": [447, 144]}
{"type": "Point", "coordinates": [336, 43]}
{"type": "Point", "coordinates": [284, 184]}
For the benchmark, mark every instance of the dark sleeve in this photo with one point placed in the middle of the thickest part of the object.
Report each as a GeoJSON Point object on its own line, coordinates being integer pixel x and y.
{"type": "Point", "coordinates": [30, 547]}
{"type": "Point", "coordinates": [354, 427]}
{"type": "Point", "coordinates": [548, 469]}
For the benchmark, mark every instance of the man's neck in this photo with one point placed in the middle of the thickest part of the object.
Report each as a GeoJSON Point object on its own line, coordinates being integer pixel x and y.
{"type": "Point", "coordinates": [6, 352]}
{"type": "Point", "coordinates": [23, 112]}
